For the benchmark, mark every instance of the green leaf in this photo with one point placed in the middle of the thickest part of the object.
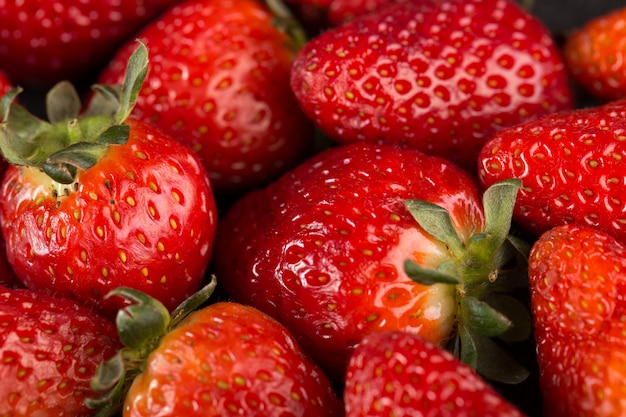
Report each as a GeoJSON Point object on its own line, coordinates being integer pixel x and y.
{"type": "Point", "coordinates": [105, 100]}
{"type": "Point", "coordinates": [62, 102]}
{"type": "Point", "coordinates": [62, 166]}
{"type": "Point", "coordinates": [136, 71]}
{"type": "Point", "coordinates": [425, 276]}
{"type": "Point", "coordinates": [19, 130]}
{"type": "Point", "coordinates": [109, 373]}
{"type": "Point", "coordinates": [111, 380]}
{"type": "Point", "coordinates": [61, 173]}
{"type": "Point", "coordinates": [193, 303]}
{"type": "Point", "coordinates": [498, 204]}
{"type": "Point", "coordinates": [519, 314]}
{"type": "Point", "coordinates": [436, 221]}
{"type": "Point", "coordinates": [496, 364]}
{"type": "Point", "coordinates": [142, 322]}
{"type": "Point", "coordinates": [479, 317]}
{"type": "Point", "coordinates": [115, 135]}
{"type": "Point", "coordinates": [467, 349]}
{"type": "Point", "coordinates": [7, 102]}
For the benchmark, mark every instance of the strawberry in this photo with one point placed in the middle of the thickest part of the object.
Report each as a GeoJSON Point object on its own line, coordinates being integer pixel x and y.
{"type": "Point", "coordinates": [50, 349]}
{"type": "Point", "coordinates": [438, 76]}
{"type": "Point", "coordinates": [219, 82]}
{"type": "Point", "coordinates": [222, 359]}
{"type": "Point", "coordinates": [324, 249]}
{"type": "Point", "coordinates": [570, 165]}
{"type": "Point", "coordinates": [594, 55]}
{"type": "Point", "coordinates": [578, 301]}
{"type": "Point", "coordinates": [401, 374]}
{"type": "Point", "coordinates": [338, 12]}
{"type": "Point", "coordinates": [46, 41]}
{"type": "Point", "coordinates": [100, 200]}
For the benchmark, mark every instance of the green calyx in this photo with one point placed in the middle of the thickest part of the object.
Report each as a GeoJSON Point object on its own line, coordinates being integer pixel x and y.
{"type": "Point", "coordinates": [70, 141]}
{"type": "Point", "coordinates": [140, 326]}
{"type": "Point", "coordinates": [483, 270]}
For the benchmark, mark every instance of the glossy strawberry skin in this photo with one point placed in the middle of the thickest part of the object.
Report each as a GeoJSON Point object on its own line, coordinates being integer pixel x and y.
{"type": "Point", "coordinates": [441, 77]}
{"type": "Point", "coordinates": [571, 166]}
{"type": "Point", "coordinates": [230, 359]}
{"type": "Point", "coordinates": [594, 55]}
{"type": "Point", "coordinates": [49, 348]}
{"type": "Point", "coordinates": [578, 301]}
{"type": "Point", "coordinates": [322, 248]}
{"type": "Point", "coordinates": [219, 82]}
{"type": "Point", "coordinates": [45, 41]}
{"type": "Point", "coordinates": [402, 374]}
{"type": "Point", "coordinates": [144, 216]}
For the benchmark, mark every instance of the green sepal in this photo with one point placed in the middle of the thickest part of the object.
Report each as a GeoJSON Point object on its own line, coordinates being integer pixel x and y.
{"type": "Point", "coordinates": [62, 102]}
{"type": "Point", "coordinates": [136, 71]}
{"type": "Point", "coordinates": [193, 303]}
{"type": "Point", "coordinates": [18, 131]}
{"type": "Point", "coordinates": [517, 312]}
{"type": "Point", "coordinates": [110, 379]}
{"type": "Point", "coordinates": [425, 276]}
{"type": "Point", "coordinates": [105, 100]}
{"type": "Point", "coordinates": [479, 317]}
{"type": "Point", "coordinates": [498, 203]}
{"type": "Point", "coordinates": [141, 322]}
{"type": "Point", "coordinates": [466, 348]}
{"type": "Point", "coordinates": [115, 135]}
{"type": "Point", "coordinates": [63, 165]}
{"type": "Point", "coordinates": [436, 221]}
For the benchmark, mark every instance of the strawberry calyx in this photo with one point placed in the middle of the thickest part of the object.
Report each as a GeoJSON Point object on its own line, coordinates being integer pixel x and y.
{"type": "Point", "coordinates": [141, 325]}
{"type": "Point", "coordinates": [483, 271]}
{"type": "Point", "coordinates": [70, 141]}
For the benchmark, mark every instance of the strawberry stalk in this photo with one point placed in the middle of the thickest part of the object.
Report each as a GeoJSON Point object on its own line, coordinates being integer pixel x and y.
{"type": "Point", "coordinates": [66, 142]}
{"type": "Point", "coordinates": [478, 269]}
{"type": "Point", "coordinates": [141, 326]}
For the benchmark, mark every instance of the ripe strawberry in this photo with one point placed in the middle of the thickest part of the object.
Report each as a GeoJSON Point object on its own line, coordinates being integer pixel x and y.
{"type": "Point", "coordinates": [571, 167]}
{"type": "Point", "coordinates": [324, 249]}
{"type": "Point", "coordinates": [50, 349]}
{"type": "Point", "coordinates": [46, 41]}
{"type": "Point", "coordinates": [402, 374]}
{"type": "Point", "coordinates": [438, 76]}
{"type": "Point", "coordinates": [338, 12]}
{"type": "Point", "coordinates": [578, 299]}
{"type": "Point", "coordinates": [219, 82]}
{"type": "Point", "coordinates": [99, 201]}
{"type": "Point", "coordinates": [594, 55]}
{"type": "Point", "coordinates": [223, 359]}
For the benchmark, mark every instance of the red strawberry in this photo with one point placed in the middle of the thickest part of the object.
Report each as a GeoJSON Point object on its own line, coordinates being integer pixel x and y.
{"type": "Point", "coordinates": [401, 374]}
{"type": "Point", "coordinates": [46, 41]}
{"type": "Point", "coordinates": [50, 349]}
{"type": "Point", "coordinates": [100, 201]}
{"type": "Point", "coordinates": [578, 294]}
{"type": "Point", "coordinates": [438, 76]}
{"type": "Point", "coordinates": [324, 249]}
{"type": "Point", "coordinates": [594, 54]}
{"type": "Point", "coordinates": [223, 359]}
{"type": "Point", "coordinates": [571, 167]}
{"type": "Point", "coordinates": [219, 82]}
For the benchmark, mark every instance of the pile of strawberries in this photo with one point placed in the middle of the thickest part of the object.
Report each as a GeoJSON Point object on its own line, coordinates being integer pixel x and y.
{"type": "Point", "coordinates": [311, 208]}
